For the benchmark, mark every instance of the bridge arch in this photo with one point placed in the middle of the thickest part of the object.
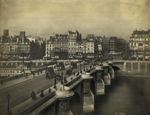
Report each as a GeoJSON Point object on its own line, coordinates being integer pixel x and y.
{"type": "Point", "coordinates": [92, 86]}
{"type": "Point", "coordinates": [116, 68]}
{"type": "Point", "coordinates": [76, 103]}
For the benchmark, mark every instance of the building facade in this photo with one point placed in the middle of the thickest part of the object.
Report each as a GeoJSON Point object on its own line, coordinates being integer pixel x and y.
{"type": "Point", "coordinates": [79, 50]}
{"type": "Point", "coordinates": [57, 46]}
{"type": "Point", "coordinates": [74, 37]}
{"type": "Point", "coordinates": [140, 45]}
{"type": "Point", "coordinates": [94, 46]}
{"type": "Point", "coordinates": [117, 48]}
{"type": "Point", "coordinates": [71, 46]}
{"type": "Point", "coordinates": [14, 48]}
{"type": "Point", "coordinates": [49, 50]}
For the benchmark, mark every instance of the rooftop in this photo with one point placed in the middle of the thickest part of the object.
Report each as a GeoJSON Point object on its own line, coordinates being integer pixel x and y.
{"type": "Point", "coordinates": [141, 32]}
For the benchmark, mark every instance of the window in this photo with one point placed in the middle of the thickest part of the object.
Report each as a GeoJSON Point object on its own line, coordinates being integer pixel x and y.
{"type": "Point", "coordinates": [134, 44]}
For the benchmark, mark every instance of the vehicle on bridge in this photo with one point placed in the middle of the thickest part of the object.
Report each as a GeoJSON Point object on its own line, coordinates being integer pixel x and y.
{"type": "Point", "coordinates": [74, 64]}
{"type": "Point", "coordinates": [61, 66]}
{"type": "Point", "coordinates": [50, 73]}
{"type": "Point", "coordinates": [69, 71]}
{"type": "Point", "coordinates": [67, 65]}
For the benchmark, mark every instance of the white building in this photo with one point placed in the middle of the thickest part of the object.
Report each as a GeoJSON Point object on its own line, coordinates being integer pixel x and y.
{"type": "Point", "coordinates": [140, 45]}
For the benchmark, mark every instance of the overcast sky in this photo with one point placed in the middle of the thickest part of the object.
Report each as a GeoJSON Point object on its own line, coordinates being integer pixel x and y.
{"type": "Point", "coordinates": [100, 17]}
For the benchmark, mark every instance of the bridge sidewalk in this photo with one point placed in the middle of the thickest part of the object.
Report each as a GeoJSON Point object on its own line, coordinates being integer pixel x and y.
{"type": "Point", "coordinates": [26, 104]}
{"type": "Point", "coordinates": [19, 80]}
{"type": "Point", "coordinates": [23, 79]}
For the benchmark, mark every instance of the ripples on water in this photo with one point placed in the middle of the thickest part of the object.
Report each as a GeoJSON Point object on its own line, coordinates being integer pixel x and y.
{"type": "Point", "coordinates": [126, 96]}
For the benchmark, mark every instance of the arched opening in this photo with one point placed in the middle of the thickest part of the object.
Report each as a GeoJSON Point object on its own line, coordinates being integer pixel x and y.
{"type": "Point", "coordinates": [116, 68]}
{"type": "Point", "coordinates": [75, 103]}
{"type": "Point", "coordinates": [92, 86]}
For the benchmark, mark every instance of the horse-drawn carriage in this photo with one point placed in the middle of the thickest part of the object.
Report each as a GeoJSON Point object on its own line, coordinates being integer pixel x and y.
{"type": "Point", "coordinates": [50, 73]}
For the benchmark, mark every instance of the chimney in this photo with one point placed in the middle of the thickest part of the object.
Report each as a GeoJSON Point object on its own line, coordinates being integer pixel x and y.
{"type": "Point", "coordinates": [22, 36]}
{"type": "Point", "coordinates": [6, 33]}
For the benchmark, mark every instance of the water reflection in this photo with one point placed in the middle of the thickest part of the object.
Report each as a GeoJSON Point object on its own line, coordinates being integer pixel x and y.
{"type": "Point", "coordinates": [126, 96]}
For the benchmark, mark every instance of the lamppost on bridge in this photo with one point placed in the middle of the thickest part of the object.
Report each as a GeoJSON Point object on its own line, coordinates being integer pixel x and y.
{"type": "Point", "coordinates": [101, 60]}
{"type": "Point", "coordinates": [8, 97]}
{"type": "Point", "coordinates": [84, 65]}
{"type": "Point", "coordinates": [63, 79]}
{"type": "Point", "coordinates": [55, 81]}
{"type": "Point", "coordinates": [110, 56]}
{"type": "Point", "coordinates": [80, 67]}
{"type": "Point", "coordinates": [2, 53]}
{"type": "Point", "coordinates": [30, 64]}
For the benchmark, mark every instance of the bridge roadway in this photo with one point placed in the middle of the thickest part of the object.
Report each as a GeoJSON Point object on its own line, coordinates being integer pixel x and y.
{"type": "Point", "coordinates": [79, 84]}
{"type": "Point", "coordinates": [22, 91]}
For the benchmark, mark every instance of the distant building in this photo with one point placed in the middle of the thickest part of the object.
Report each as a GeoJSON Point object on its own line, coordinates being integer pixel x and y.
{"type": "Point", "coordinates": [73, 38]}
{"type": "Point", "coordinates": [93, 46]}
{"type": "Point", "coordinates": [49, 50]}
{"type": "Point", "coordinates": [90, 40]}
{"type": "Point", "coordinates": [79, 50]}
{"type": "Point", "coordinates": [14, 48]}
{"type": "Point", "coordinates": [98, 46]}
{"type": "Point", "coordinates": [117, 47]}
{"type": "Point", "coordinates": [57, 46]}
{"type": "Point", "coordinates": [6, 33]}
{"type": "Point", "coordinates": [140, 45]}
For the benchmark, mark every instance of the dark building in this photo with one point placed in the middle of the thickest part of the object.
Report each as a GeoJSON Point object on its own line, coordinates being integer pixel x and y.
{"type": "Point", "coordinates": [6, 33]}
{"type": "Point", "coordinates": [59, 42]}
{"type": "Point", "coordinates": [117, 47]}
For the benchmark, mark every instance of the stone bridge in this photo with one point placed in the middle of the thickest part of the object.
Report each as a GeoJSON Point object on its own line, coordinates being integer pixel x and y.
{"type": "Point", "coordinates": [131, 66]}
{"type": "Point", "coordinates": [78, 95]}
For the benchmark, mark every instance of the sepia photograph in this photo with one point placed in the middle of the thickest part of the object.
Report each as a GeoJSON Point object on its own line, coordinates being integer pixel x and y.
{"type": "Point", "coordinates": [74, 57]}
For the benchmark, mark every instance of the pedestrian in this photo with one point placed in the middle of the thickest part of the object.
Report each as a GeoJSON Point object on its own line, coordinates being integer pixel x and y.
{"type": "Point", "coordinates": [16, 76]}
{"type": "Point", "coordinates": [25, 75]}
{"type": "Point", "coordinates": [33, 95]}
{"type": "Point", "coordinates": [42, 94]}
{"type": "Point", "coordinates": [49, 90]}
{"type": "Point", "coordinates": [65, 80]}
{"type": "Point", "coordinates": [74, 73]}
{"type": "Point", "coordinates": [2, 82]}
{"type": "Point", "coordinates": [33, 74]}
{"type": "Point", "coordinates": [61, 80]}
{"type": "Point", "coordinates": [9, 113]}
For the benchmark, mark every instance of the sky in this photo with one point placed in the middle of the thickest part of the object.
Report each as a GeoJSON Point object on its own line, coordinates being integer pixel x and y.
{"type": "Point", "coordinates": [100, 17]}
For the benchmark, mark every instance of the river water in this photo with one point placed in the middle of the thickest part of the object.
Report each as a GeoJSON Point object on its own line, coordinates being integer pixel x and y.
{"type": "Point", "coordinates": [126, 96]}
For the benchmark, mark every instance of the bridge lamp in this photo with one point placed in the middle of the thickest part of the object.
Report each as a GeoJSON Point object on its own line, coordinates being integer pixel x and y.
{"type": "Point", "coordinates": [105, 67]}
{"type": "Point", "coordinates": [101, 60]}
{"type": "Point", "coordinates": [84, 65]}
{"type": "Point", "coordinates": [80, 66]}
{"type": "Point", "coordinates": [8, 97]}
{"type": "Point", "coordinates": [55, 81]}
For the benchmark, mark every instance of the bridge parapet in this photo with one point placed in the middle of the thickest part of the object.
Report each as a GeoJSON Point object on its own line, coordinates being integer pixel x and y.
{"type": "Point", "coordinates": [86, 85]}
{"type": "Point", "coordinates": [131, 65]}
